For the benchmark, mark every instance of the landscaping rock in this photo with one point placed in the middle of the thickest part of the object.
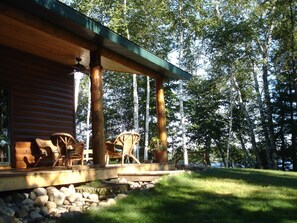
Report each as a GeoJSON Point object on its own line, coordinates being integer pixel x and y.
{"type": "Point", "coordinates": [17, 197]}
{"type": "Point", "coordinates": [121, 196]}
{"type": "Point", "coordinates": [6, 219]}
{"type": "Point", "coordinates": [57, 197]}
{"type": "Point", "coordinates": [7, 211]}
{"type": "Point", "coordinates": [93, 197]}
{"type": "Point", "coordinates": [50, 204]}
{"type": "Point", "coordinates": [32, 196]}
{"type": "Point", "coordinates": [51, 190]}
{"type": "Point", "coordinates": [86, 194]}
{"type": "Point", "coordinates": [28, 202]}
{"type": "Point", "coordinates": [40, 191]}
{"type": "Point", "coordinates": [35, 215]}
{"type": "Point", "coordinates": [22, 213]}
{"type": "Point", "coordinates": [2, 203]}
{"type": "Point", "coordinates": [41, 200]}
{"type": "Point", "coordinates": [44, 205]}
{"type": "Point", "coordinates": [111, 201]}
{"type": "Point", "coordinates": [7, 199]}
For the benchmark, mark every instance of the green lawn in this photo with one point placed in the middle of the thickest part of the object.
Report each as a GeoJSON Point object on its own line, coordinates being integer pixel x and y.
{"type": "Point", "coordinates": [214, 195]}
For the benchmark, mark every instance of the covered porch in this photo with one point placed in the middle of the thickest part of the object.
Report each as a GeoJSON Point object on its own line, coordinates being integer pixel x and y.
{"type": "Point", "coordinates": [39, 44]}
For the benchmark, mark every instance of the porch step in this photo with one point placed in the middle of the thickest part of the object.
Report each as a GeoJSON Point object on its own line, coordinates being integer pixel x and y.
{"type": "Point", "coordinates": [148, 176]}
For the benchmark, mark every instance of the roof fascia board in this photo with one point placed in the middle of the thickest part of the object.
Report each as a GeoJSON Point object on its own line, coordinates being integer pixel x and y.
{"type": "Point", "coordinates": [68, 12]}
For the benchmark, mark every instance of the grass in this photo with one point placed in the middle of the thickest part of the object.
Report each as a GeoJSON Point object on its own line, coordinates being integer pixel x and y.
{"type": "Point", "coordinates": [211, 196]}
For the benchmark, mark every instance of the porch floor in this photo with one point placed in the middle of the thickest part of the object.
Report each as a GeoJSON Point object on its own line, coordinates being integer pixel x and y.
{"type": "Point", "coordinates": [19, 179]}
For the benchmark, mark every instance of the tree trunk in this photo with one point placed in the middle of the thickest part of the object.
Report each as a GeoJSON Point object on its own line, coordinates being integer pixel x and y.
{"type": "Point", "coordinates": [216, 9]}
{"type": "Point", "coordinates": [247, 158]}
{"type": "Point", "coordinates": [221, 152]}
{"type": "Point", "coordinates": [135, 92]}
{"type": "Point", "coordinates": [147, 118]}
{"type": "Point", "coordinates": [282, 138]}
{"type": "Point", "coordinates": [181, 94]}
{"type": "Point", "coordinates": [264, 48]}
{"type": "Point", "coordinates": [135, 113]}
{"type": "Point", "coordinates": [88, 120]}
{"type": "Point", "coordinates": [250, 124]}
{"type": "Point", "coordinates": [161, 112]}
{"type": "Point", "coordinates": [263, 118]}
{"type": "Point", "coordinates": [98, 137]}
{"type": "Point", "coordinates": [230, 125]}
{"type": "Point", "coordinates": [182, 123]}
{"type": "Point", "coordinates": [77, 78]}
{"type": "Point", "coordinates": [207, 151]}
{"type": "Point", "coordinates": [269, 151]}
{"type": "Point", "coordinates": [293, 84]}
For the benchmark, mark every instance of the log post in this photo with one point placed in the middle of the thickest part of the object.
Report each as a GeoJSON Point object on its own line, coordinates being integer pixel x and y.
{"type": "Point", "coordinates": [161, 112]}
{"type": "Point", "coordinates": [98, 139]}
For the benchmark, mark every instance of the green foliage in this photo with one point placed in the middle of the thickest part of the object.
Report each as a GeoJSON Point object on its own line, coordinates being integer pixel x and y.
{"type": "Point", "coordinates": [118, 104]}
{"type": "Point", "coordinates": [203, 109]}
{"type": "Point", "coordinates": [156, 144]}
{"type": "Point", "coordinates": [236, 39]}
{"type": "Point", "coordinates": [81, 112]}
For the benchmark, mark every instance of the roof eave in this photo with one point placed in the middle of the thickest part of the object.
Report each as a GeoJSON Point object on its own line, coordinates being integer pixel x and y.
{"type": "Point", "coordinates": [101, 32]}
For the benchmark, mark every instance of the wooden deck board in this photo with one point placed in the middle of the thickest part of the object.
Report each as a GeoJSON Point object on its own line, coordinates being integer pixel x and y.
{"type": "Point", "coordinates": [19, 179]}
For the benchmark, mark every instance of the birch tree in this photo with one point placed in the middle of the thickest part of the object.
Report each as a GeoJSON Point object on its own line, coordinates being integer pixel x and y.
{"type": "Point", "coordinates": [147, 119]}
{"type": "Point", "coordinates": [181, 93]}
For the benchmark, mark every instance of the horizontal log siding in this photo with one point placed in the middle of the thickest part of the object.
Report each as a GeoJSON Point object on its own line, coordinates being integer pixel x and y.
{"type": "Point", "coordinates": [42, 95]}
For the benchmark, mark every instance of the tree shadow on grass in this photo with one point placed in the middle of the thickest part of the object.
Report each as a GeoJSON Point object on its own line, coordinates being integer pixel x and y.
{"type": "Point", "coordinates": [256, 177]}
{"type": "Point", "coordinates": [175, 200]}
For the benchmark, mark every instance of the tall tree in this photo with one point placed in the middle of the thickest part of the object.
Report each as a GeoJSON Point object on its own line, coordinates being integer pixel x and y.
{"type": "Point", "coordinates": [181, 93]}
{"type": "Point", "coordinates": [147, 119]}
{"type": "Point", "coordinates": [285, 61]}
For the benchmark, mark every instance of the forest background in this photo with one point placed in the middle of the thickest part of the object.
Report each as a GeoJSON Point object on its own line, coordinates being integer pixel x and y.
{"type": "Point", "coordinates": [240, 106]}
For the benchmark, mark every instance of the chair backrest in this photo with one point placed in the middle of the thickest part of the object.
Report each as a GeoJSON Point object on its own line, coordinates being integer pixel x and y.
{"type": "Point", "coordinates": [77, 153]}
{"type": "Point", "coordinates": [79, 148]}
{"type": "Point", "coordinates": [127, 140]}
{"type": "Point", "coordinates": [65, 138]}
{"type": "Point", "coordinates": [46, 143]}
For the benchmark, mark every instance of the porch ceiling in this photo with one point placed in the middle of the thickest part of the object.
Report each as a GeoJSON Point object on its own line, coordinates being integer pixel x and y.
{"type": "Point", "coordinates": [19, 35]}
{"type": "Point", "coordinates": [54, 31]}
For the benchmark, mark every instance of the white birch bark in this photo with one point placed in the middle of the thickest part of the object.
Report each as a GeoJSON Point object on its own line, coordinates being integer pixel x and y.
{"type": "Point", "coordinates": [182, 123]}
{"type": "Point", "coordinates": [135, 113]}
{"type": "Point", "coordinates": [88, 119]}
{"type": "Point", "coordinates": [230, 125]}
{"type": "Point", "coordinates": [147, 118]}
{"type": "Point", "coordinates": [249, 122]}
{"type": "Point", "coordinates": [181, 102]}
{"type": "Point", "coordinates": [262, 115]}
{"type": "Point", "coordinates": [77, 78]}
{"type": "Point", "coordinates": [135, 94]}
{"type": "Point", "coordinates": [264, 48]}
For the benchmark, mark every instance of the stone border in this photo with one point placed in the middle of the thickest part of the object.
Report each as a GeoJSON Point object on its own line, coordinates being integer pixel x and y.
{"type": "Point", "coordinates": [46, 205]}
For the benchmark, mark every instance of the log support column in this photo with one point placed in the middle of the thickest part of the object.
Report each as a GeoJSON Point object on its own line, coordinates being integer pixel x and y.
{"type": "Point", "coordinates": [161, 112]}
{"type": "Point", "coordinates": [98, 138]}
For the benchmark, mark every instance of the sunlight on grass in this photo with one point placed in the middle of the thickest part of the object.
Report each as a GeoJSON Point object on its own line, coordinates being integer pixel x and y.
{"type": "Point", "coordinates": [212, 196]}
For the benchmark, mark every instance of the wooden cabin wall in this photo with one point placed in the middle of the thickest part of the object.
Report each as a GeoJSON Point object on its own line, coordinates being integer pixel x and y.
{"type": "Point", "coordinates": [42, 95]}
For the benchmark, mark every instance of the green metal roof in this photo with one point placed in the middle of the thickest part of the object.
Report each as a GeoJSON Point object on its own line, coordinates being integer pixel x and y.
{"type": "Point", "coordinates": [75, 22]}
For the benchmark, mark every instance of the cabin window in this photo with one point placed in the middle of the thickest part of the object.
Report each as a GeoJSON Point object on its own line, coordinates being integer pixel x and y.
{"type": "Point", "coordinates": [4, 126]}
